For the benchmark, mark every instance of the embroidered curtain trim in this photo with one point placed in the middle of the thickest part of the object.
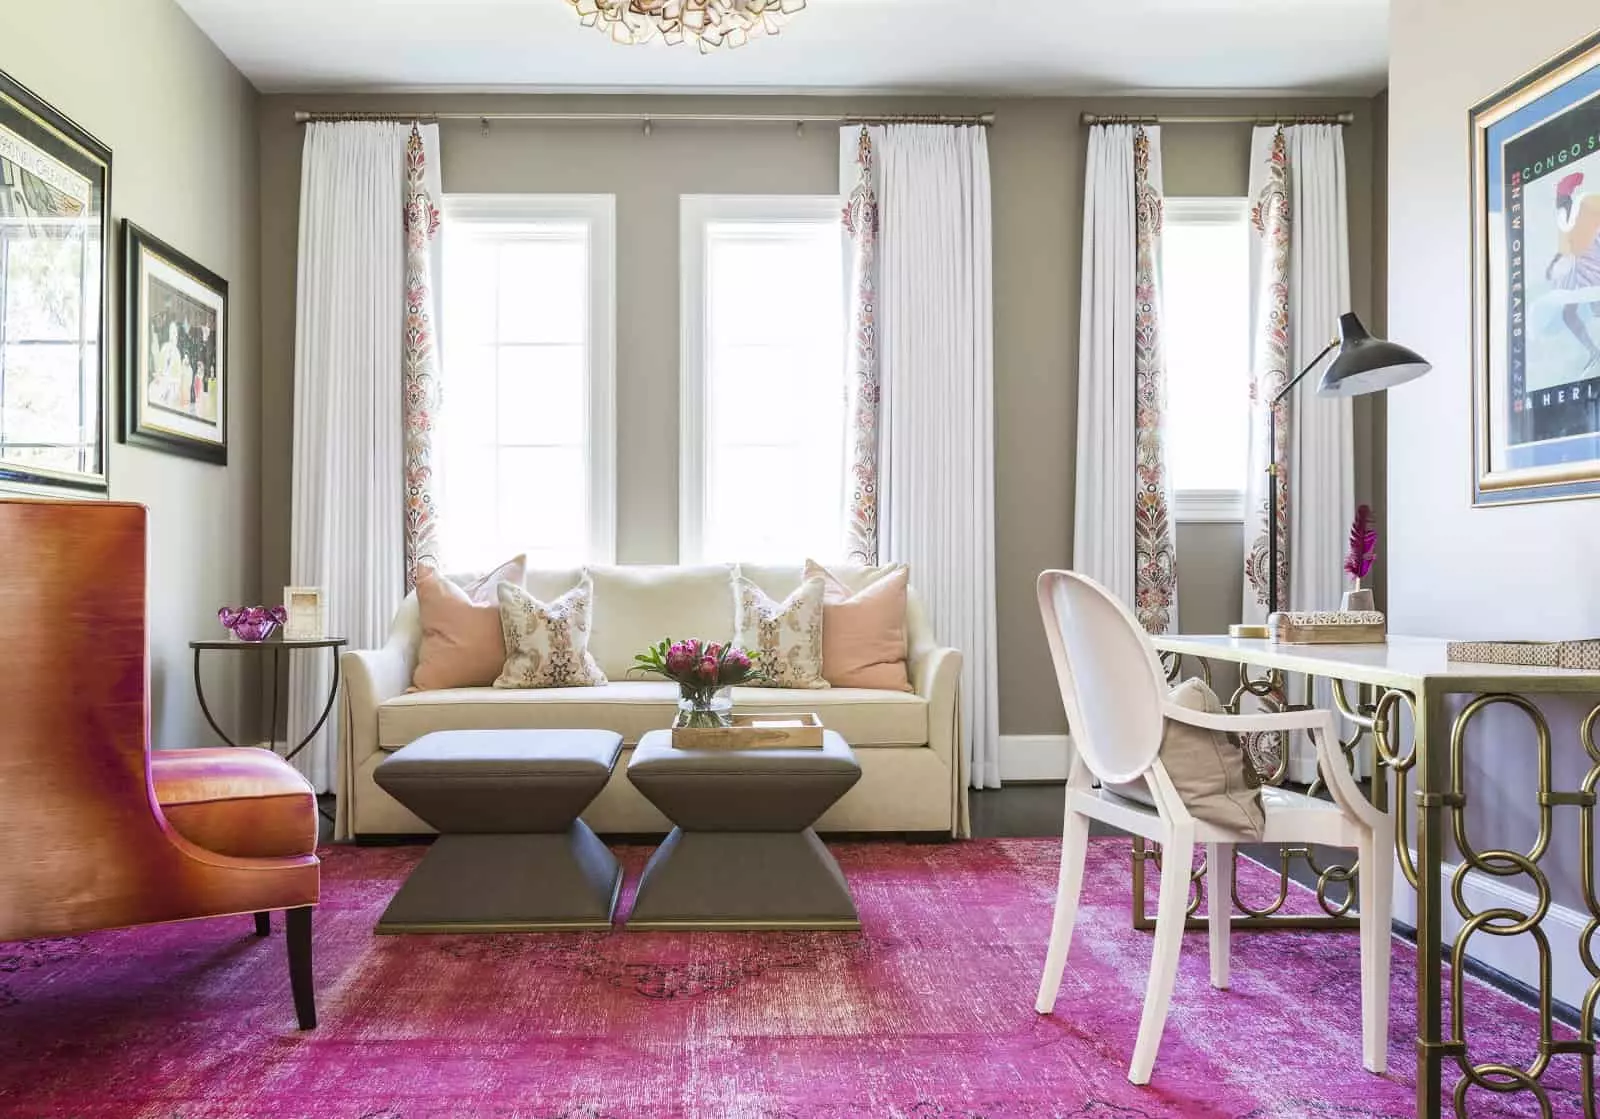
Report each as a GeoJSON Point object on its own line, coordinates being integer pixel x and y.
{"type": "Point", "coordinates": [862, 386]}
{"type": "Point", "coordinates": [1155, 553]}
{"type": "Point", "coordinates": [1272, 221]}
{"type": "Point", "coordinates": [419, 378]}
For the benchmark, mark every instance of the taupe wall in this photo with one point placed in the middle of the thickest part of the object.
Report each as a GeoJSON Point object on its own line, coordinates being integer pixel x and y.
{"type": "Point", "coordinates": [181, 123]}
{"type": "Point", "coordinates": [1037, 165]}
{"type": "Point", "coordinates": [1523, 571]}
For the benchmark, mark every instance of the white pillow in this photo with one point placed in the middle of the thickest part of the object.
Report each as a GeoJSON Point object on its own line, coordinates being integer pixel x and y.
{"type": "Point", "coordinates": [786, 636]}
{"type": "Point", "coordinates": [547, 644]}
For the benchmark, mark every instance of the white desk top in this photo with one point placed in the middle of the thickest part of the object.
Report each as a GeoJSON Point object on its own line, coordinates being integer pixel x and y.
{"type": "Point", "coordinates": [1401, 662]}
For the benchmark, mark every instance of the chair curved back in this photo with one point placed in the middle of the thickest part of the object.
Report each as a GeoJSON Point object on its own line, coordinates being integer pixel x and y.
{"type": "Point", "coordinates": [1110, 676]}
{"type": "Point", "coordinates": [83, 841]}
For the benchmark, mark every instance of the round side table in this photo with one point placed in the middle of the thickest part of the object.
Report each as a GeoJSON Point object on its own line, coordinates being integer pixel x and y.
{"type": "Point", "coordinates": [278, 647]}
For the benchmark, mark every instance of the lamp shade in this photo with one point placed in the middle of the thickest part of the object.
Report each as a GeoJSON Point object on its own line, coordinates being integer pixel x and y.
{"type": "Point", "coordinates": [1367, 364]}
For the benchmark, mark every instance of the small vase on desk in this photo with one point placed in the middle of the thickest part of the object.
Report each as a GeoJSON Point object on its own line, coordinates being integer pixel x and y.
{"type": "Point", "coordinates": [1357, 600]}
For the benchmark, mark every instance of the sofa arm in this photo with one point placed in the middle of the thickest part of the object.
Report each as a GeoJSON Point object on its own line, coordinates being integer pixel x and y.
{"type": "Point", "coordinates": [936, 677]}
{"type": "Point", "coordinates": [371, 677]}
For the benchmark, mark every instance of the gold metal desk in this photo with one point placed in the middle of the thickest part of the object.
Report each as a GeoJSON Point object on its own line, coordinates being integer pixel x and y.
{"type": "Point", "coordinates": [1429, 780]}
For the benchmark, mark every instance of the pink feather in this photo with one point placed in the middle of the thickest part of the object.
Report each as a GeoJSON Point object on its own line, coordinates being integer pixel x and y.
{"type": "Point", "coordinates": [1363, 544]}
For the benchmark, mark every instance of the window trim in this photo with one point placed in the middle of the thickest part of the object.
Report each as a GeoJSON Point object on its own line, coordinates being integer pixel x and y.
{"type": "Point", "coordinates": [599, 213]}
{"type": "Point", "coordinates": [1208, 506]}
{"type": "Point", "coordinates": [695, 212]}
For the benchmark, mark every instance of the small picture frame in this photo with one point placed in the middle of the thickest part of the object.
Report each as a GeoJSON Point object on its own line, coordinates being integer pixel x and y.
{"type": "Point", "coordinates": [308, 615]}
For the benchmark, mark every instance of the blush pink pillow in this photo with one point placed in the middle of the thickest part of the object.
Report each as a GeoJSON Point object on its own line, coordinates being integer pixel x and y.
{"type": "Point", "coordinates": [864, 632]}
{"type": "Point", "coordinates": [462, 645]}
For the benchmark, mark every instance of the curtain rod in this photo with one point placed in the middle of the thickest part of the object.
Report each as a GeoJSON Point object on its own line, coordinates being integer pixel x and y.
{"type": "Point", "coordinates": [983, 119]}
{"type": "Point", "coordinates": [1242, 118]}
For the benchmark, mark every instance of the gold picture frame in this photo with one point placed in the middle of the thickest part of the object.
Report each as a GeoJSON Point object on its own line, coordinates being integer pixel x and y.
{"type": "Point", "coordinates": [1536, 284]}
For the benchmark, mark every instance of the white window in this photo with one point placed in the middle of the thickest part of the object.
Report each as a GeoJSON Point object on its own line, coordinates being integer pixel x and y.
{"type": "Point", "coordinates": [1205, 338]}
{"type": "Point", "coordinates": [762, 420]}
{"type": "Point", "coordinates": [525, 452]}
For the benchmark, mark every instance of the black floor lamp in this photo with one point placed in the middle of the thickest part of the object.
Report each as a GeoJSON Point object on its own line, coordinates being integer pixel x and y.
{"type": "Point", "coordinates": [1365, 364]}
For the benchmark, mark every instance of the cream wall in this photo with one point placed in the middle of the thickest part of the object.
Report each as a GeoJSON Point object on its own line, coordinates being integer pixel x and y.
{"type": "Point", "coordinates": [1037, 168]}
{"type": "Point", "coordinates": [181, 123]}
{"type": "Point", "coordinates": [1524, 571]}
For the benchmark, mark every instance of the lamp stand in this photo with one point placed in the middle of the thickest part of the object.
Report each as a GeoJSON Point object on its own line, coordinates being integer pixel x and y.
{"type": "Point", "coordinates": [1251, 629]}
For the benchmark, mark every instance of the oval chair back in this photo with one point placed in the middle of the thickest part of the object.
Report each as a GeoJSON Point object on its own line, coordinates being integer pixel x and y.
{"type": "Point", "coordinates": [1111, 680]}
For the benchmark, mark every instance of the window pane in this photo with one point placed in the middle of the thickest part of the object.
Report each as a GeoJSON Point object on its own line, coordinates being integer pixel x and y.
{"type": "Point", "coordinates": [1205, 331]}
{"type": "Point", "coordinates": [543, 504]}
{"type": "Point", "coordinates": [543, 395]}
{"type": "Point", "coordinates": [544, 287]}
{"type": "Point", "coordinates": [772, 370]}
{"type": "Point", "coordinates": [513, 453]}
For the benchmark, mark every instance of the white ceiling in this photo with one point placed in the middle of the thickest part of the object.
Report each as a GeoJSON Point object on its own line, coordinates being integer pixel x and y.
{"type": "Point", "coordinates": [965, 46]}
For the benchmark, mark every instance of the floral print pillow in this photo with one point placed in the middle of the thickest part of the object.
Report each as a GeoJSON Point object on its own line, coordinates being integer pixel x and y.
{"type": "Point", "coordinates": [787, 635]}
{"type": "Point", "coordinates": [547, 645]}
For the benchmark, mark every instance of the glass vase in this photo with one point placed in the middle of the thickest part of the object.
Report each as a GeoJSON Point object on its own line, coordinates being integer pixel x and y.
{"type": "Point", "coordinates": [704, 707]}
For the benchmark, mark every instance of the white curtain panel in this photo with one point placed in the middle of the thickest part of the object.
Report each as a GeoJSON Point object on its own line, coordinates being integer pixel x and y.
{"type": "Point", "coordinates": [1320, 467]}
{"type": "Point", "coordinates": [935, 339]}
{"type": "Point", "coordinates": [1123, 530]}
{"type": "Point", "coordinates": [1102, 536]}
{"type": "Point", "coordinates": [347, 519]}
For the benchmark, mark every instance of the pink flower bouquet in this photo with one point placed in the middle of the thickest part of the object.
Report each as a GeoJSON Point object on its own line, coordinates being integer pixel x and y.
{"type": "Point", "coordinates": [701, 669]}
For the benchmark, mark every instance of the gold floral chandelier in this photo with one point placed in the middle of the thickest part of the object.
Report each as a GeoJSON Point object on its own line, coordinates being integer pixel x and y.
{"type": "Point", "coordinates": [709, 23]}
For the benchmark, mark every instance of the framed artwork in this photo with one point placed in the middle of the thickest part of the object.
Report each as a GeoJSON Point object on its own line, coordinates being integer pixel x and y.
{"type": "Point", "coordinates": [175, 350]}
{"type": "Point", "coordinates": [55, 237]}
{"type": "Point", "coordinates": [1536, 284]}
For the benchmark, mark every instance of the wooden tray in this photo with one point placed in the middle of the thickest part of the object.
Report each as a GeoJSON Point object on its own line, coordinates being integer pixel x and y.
{"type": "Point", "coordinates": [1368, 633]}
{"type": "Point", "coordinates": [755, 731]}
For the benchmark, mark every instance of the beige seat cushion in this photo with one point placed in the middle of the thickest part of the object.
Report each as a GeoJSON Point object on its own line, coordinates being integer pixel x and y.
{"type": "Point", "coordinates": [633, 708]}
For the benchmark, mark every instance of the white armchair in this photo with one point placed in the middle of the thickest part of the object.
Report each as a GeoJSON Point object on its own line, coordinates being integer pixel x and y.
{"type": "Point", "coordinates": [1115, 696]}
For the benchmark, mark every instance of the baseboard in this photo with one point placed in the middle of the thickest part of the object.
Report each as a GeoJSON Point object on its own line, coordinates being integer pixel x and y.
{"type": "Point", "coordinates": [1514, 956]}
{"type": "Point", "coordinates": [1034, 757]}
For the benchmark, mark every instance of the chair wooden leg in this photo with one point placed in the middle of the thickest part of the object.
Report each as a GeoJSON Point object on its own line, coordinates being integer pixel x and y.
{"type": "Point", "coordinates": [263, 924]}
{"type": "Point", "coordinates": [1219, 902]}
{"type": "Point", "coordinates": [298, 927]}
{"type": "Point", "coordinates": [1376, 885]}
{"type": "Point", "coordinates": [1177, 861]}
{"type": "Point", "coordinates": [1074, 851]}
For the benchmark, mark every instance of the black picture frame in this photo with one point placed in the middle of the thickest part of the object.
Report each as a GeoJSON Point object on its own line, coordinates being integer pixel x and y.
{"type": "Point", "coordinates": [175, 369]}
{"type": "Point", "coordinates": [55, 166]}
{"type": "Point", "coordinates": [1536, 284]}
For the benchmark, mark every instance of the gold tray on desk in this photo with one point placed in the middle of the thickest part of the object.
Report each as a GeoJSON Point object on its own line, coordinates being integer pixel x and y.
{"type": "Point", "coordinates": [1342, 627]}
{"type": "Point", "coordinates": [755, 731]}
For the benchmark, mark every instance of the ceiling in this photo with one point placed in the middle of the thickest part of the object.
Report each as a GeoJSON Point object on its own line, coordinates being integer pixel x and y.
{"type": "Point", "coordinates": [911, 46]}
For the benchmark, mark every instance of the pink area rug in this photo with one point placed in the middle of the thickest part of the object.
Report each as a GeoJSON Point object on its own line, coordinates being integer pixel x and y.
{"type": "Point", "coordinates": [926, 1014]}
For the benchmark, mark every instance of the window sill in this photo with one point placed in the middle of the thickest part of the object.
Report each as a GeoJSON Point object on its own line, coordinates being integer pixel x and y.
{"type": "Point", "coordinates": [1208, 507]}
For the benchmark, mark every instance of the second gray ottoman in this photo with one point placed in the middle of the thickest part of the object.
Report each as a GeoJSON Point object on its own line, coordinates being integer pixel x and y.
{"type": "Point", "coordinates": [743, 854]}
{"type": "Point", "coordinates": [512, 854]}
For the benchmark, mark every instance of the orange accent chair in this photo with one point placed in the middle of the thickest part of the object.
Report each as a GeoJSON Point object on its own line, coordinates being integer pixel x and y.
{"type": "Point", "coordinates": [96, 831]}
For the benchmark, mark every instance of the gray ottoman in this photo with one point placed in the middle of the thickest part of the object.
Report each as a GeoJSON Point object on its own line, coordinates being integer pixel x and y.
{"type": "Point", "coordinates": [743, 854]}
{"type": "Point", "coordinates": [512, 854]}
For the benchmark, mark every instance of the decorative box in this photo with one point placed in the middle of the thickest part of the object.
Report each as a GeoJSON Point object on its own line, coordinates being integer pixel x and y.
{"type": "Point", "coordinates": [1328, 627]}
{"type": "Point", "coordinates": [1583, 654]}
{"type": "Point", "coordinates": [752, 731]}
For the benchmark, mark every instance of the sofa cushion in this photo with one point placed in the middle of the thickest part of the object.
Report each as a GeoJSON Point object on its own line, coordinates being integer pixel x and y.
{"type": "Point", "coordinates": [864, 631]}
{"type": "Point", "coordinates": [633, 708]}
{"type": "Point", "coordinates": [784, 634]}
{"type": "Point", "coordinates": [547, 643]}
{"type": "Point", "coordinates": [239, 801]}
{"type": "Point", "coordinates": [638, 605]}
{"type": "Point", "coordinates": [462, 645]}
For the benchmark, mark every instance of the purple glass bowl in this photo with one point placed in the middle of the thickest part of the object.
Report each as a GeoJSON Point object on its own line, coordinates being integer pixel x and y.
{"type": "Point", "coordinates": [252, 623]}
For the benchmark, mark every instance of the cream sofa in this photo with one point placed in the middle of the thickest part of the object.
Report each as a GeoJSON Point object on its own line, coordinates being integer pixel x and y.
{"type": "Point", "coordinates": [913, 775]}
